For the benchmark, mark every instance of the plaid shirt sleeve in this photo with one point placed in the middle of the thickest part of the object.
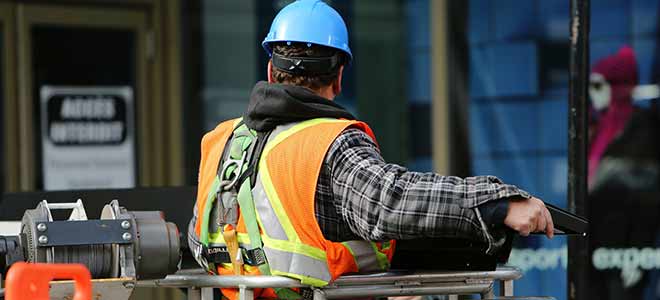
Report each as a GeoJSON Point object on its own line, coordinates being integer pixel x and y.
{"type": "Point", "coordinates": [381, 201]}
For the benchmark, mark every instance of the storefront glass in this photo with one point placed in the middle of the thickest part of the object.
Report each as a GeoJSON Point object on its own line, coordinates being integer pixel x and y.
{"type": "Point", "coordinates": [518, 74]}
{"type": "Point", "coordinates": [387, 84]}
{"type": "Point", "coordinates": [624, 167]}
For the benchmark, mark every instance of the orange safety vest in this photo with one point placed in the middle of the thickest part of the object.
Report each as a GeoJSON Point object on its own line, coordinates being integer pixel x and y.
{"type": "Point", "coordinates": [284, 196]}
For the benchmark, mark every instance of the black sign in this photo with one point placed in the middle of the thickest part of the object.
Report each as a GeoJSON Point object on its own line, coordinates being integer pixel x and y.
{"type": "Point", "coordinates": [94, 119]}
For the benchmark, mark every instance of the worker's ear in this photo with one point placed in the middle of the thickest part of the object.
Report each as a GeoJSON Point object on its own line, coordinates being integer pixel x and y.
{"type": "Point", "coordinates": [270, 71]}
{"type": "Point", "coordinates": [336, 85]}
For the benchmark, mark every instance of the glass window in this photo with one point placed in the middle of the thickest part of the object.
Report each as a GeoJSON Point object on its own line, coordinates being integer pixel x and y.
{"type": "Point", "coordinates": [518, 87]}
{"type": "Point", "coordinates": [230, 58]}
{"type": "Point", "coordinates": [418, 80]}
{"type": "Point", "coordinates": [518, 79]}
{"type": "Point", "coordinates": [386, 85]}
{"type": "Point", "coordinates": [624, 167]}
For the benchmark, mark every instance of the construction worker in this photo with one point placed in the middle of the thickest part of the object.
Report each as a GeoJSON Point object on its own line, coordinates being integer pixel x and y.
{"type": "Point", "coordinates": [297, 186]}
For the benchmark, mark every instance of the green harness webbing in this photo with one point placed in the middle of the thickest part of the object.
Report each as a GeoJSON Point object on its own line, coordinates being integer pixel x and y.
{"type": "Point", "coordinates": [210, 200]}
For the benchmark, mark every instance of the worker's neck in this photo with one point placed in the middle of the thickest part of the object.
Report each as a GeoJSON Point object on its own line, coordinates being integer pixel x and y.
{"type": "Point", "coordinates": [326, 92]}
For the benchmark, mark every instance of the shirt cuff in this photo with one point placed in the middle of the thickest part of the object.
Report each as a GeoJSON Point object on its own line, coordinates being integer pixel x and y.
{"type": "Point", "coordinates": [494, 212]}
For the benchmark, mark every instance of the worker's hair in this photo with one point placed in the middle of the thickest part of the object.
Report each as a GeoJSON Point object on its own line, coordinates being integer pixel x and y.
{"type": "Point", "coordinates": [314, 82]}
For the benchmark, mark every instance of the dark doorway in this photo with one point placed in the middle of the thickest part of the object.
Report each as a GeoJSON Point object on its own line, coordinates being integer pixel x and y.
{"type": "Point", "coordinates": [82, 57]}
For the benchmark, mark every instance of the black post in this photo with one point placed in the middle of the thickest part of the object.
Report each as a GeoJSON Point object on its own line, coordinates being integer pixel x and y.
{"type": "Point", "coordinates": [578, 256]}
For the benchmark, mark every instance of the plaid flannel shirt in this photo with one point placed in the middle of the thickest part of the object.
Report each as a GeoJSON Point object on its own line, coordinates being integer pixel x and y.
{"type": "Point", "coordinates": [360, 196]}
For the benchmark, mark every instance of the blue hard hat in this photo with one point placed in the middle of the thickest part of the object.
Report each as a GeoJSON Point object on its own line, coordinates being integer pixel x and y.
{"type": "Point", "coordinates": [309, 21]}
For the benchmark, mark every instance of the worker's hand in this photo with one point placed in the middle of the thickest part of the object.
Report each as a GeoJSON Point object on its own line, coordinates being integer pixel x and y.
{"type": "Point", "coordinates": [529, 215]}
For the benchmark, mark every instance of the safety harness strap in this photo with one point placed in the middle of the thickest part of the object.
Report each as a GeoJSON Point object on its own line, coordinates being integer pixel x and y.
{"type": "Point", "coordinates": [250, 218]}
{"type": "Point", "coordinates": [211, 197]}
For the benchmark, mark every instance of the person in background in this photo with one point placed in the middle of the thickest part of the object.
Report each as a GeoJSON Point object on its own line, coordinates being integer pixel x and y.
{"type": "Point", "coordinates": [612, 81]}
{"type": "Point", "coordinates": [624, 183]}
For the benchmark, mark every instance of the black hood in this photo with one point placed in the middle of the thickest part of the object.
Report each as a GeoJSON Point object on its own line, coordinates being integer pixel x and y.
{"type": "Point", "coordinates": [273, 104]}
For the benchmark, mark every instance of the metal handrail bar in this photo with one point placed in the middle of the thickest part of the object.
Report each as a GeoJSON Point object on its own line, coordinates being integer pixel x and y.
{"type": "Point", "coordinates": [502, 273]}
{"type": "Point", "coordinates": [187, 279]}
{"type": "Point", "coordinates": [391, 290]}
{"type": "Point", "coordinates": [213, 281]}
{"type": "Point", "coordinates": [393, 283]}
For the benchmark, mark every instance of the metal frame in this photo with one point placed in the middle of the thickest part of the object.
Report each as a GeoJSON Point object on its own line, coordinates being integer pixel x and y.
{"type": "Point", "coordinates": [440, 119]}
{"type": "Point", "coordinates": [381, 284]}
{"type": "Point", "coordinates": [172, 89]}
{"type": "Point", "coordinates": [8, 77]}
{"type": "Point", "coordinates": [578, 255]}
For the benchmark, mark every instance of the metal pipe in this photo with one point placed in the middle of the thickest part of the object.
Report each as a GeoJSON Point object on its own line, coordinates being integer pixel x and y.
{"type": "Point", "coordinates": [506, 288]}
{"type": "Point", "coordinates": [380, 284]}
{"type": "Point", "coordinates": [187, 278]}
{"type": "Point", "coordinates": [222, 281]}
{"type": "Point", "coordinates": [577, 143]}
{"type": "Point", "coordinates": [502, 273]}
{"type": "Point", "coordinates": [444, 289]}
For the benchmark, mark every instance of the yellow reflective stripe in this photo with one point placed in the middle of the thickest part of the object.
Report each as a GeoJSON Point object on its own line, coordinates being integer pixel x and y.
{"type": "Point", "coordinates": [273, 198]}
{"type": "Point", "coordinates": [298, 127]}
{"type": "Point", "coordinates": [383, 262]}
{"type": "Point", "coordinates": [298, 248]}
{"type": "Point", "coordinates": [303, 279]}
{"type": "Point", "coordinates": [217, 238]}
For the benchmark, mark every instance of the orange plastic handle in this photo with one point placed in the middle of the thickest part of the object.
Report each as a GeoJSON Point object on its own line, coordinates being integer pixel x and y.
{"type": "Point", "coordinates": [28, 281]}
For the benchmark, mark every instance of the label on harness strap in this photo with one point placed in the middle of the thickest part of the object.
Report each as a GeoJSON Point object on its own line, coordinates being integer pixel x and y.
{"type": "Point", "coordinates": [217, 255]}
{"type": "Point", "coordinates": [220, 255]}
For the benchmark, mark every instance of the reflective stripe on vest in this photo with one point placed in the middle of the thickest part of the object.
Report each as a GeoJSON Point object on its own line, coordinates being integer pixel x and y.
{"type": "Point", "coordinates": [365, 254]}
{"type": "Point", "coordinates": [286, 252]}
{"type": "Point", "coordinates": [307, 269]}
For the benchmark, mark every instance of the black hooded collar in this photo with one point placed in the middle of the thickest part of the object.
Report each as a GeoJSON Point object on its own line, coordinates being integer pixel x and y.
{"type": "Point", "coordinates": [273, 104]}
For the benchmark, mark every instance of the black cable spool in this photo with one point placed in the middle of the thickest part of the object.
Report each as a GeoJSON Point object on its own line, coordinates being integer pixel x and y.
{"type": "Point", "coordinates": [97, 258]}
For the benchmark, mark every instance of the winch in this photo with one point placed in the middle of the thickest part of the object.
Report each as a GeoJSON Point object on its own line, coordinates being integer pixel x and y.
{"type": "Point", "coordinates": [121, 244]}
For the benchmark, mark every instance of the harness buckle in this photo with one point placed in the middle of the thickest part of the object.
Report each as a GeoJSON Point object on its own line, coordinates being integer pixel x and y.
{"type": "Point", "coordinates": [254, 257]}
{"type": "Point", "coordinates": [226, 184]}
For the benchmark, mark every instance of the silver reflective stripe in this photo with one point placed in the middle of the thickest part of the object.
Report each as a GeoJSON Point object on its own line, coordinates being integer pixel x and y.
{"type": "Point", "coordinates": [365, 255]}
{"type": "Point", "coordinates": [271, 225]}
{"type": "Point", "coordinates": [295, 263]}
{"type": "Point", "coordinates": [280, 129]}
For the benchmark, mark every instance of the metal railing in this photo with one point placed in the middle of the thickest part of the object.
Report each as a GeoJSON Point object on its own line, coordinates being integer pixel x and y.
{"type": "Point", "coordinates": [395, 283]}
